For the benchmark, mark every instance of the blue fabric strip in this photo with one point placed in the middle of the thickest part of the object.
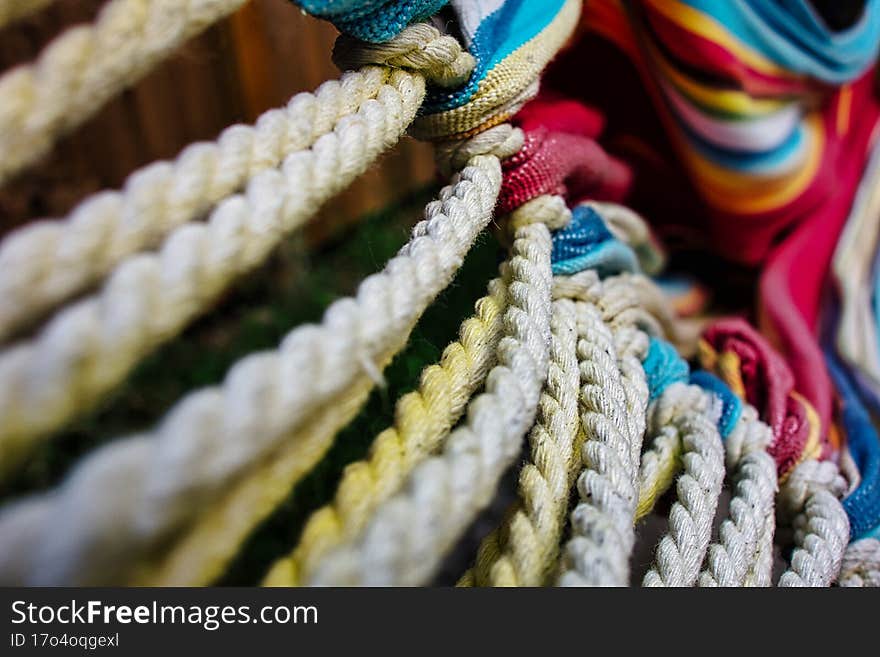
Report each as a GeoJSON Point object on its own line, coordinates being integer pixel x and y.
{"type": "Point", "coordinates": [586, 243]}
{"type": "Point", "coordinates": [663, 366]}
{"type": "Point", "coordinates": [376, 21]}
{"type": "Point", "coordinates": [863, 505]}
{"type": "Point", "coordinates": [731, 405]}
{"type": "Point", "coordinates": [791, 34]}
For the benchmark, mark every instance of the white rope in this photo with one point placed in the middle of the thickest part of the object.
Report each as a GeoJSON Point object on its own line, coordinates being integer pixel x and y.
{"type": "Point", "coordinates": [93, 344]}
{"type": "Point", "coordinates": [821, 526]}
{"type": "Point", "coordinates": [410, 533]}
{"type": "Point", "coordinates": [735, 556]}
{"type": "Point", "coordinates": [521, 551]}
{"type": "Point", "coordinates": [693, 413]}
{"type": "Point", "coordinates": [861, 564]}
{"type": "Point", "coordinates": [602, 522]}
{"type": "Point", "coordinates": [11, 10]}
{"type": "Point", "coordinates": [132, 493]}
{"type": "Point", "coordinates": [420, 46]}
{"type": "Point", "coordinates": [87, 66]}
{"type": "Point", "coordinates": [47, 262]}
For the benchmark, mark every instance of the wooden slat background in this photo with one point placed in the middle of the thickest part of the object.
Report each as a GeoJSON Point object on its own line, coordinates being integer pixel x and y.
{"type": "Point", "coordinates": [253, 61]}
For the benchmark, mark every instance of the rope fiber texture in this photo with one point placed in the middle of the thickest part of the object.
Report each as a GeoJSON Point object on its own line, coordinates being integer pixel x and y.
{"type": "Point", "coordinates": [47, 262]}
{"type": "Point", "coordinates": [161, 480]}
{"type": "Point", "coordinates": [406, 539]}
{"type": "Point", "coordinates": [613, 401]}
{"type": "Point", "coordinates": [733, 560]}
{"type": "Point", "coordinates": [423, 419]}
{"type": "Point", "coordinates": [522, 551]}
{"type": "Point", "coordinates": [87, 66]}
{"type": "Point", "coordinates": [821, 527]}
{"type": "Point", "coordinates": [692, 414]}
{"type": "Point", "coordinates": [89, 347]}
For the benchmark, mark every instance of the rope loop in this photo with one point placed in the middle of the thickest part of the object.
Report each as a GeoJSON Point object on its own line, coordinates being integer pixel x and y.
{"type": "Point", "coordinates": [420, 48]}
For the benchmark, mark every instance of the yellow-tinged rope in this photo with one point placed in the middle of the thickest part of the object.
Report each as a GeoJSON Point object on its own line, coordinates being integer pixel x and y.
{"type": "Point", "coordinates": [47, 262]}
{"type": "Point", "coordinates": [213, 437]}
{"type": "Point", "coordinates": [523, 550]}
{"type": "Point", "coordinates": [423, 418]}
{"type": "Point", "coordinates": [92, 345]}
{"type": "Point", "coordinates": [409, 534]}
{"type": "Point", "coordinates": [87, 66]}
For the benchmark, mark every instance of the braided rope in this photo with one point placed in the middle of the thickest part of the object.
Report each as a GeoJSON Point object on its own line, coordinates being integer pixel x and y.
{"type": "Point", "coordinates": [11, 10]}
{"type": "Point", "coordinates": [521, 552]}
{"type": "Point", "coordinates": [423, 418]}
{"type": "Point", "coordinates": [161, 480]}
{"type": "Point", "coordinates": [861, 564]}
{"type": "Point", "coordinates": [47, 262]}
{"type": "Point", "coordinates": [734, 557]}
{"type": "Point", "coordinates": [93, 344]}
{"type": "Point", "coordinates": [821, 527]}
{"type": "Point", "coordinates": [602, 522]}
{"type": "Point", "coordinates": [87, 66]}
{"type": "Point", "coordinates": [693, 414]}
{"type": "Point", "coordinates": [410, 533]}
{"type": "Point", "coordinates": [659, 464]}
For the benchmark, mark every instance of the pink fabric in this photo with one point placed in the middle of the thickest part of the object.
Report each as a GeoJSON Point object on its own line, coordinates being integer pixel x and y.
{"type": "Point", "coordinates": [768, 384]}
{"type": "Point", "coordinates": [561, 157]}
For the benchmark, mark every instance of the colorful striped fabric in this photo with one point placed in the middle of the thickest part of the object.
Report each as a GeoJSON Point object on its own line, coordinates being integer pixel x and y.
{"type": "Point", "coordinates": [772, 115]}
{"type": "Point", "coordinates": [512, 41]}
{"type": "Point", "coordinates": [586, 243]}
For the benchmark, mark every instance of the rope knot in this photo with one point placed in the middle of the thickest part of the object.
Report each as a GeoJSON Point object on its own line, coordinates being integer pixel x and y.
{"type": "Point", "coordinates": [420, 47]}
{"type": "Point", "coordinates": [502, 141]}
{"type": "Point", "coordinates": [679, 399]}
{"type": "Point", "coordinates": [808, 478]}
{"type": "Point", "coordinates": [546, 209]}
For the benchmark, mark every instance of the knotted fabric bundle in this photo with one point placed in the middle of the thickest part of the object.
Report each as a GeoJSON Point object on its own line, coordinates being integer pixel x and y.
{"type": "Point", "coordinates": [745, 362]}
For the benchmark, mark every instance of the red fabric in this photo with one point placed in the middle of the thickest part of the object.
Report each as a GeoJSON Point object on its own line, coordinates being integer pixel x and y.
{"type": "Point", "coordinates": [768, 385]}
{"type": "Point", "coordinates": [561, 157]}
{"type": "Point", "coordinates": [793, 279]}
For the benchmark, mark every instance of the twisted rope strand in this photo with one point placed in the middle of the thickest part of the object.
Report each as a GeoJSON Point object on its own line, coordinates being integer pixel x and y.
{"type": "Point", "coordinates": [423, 418]}
{"type": "Point", "coordinates": [11, 10]}
{"type": "Point", "coordinates": [660, 462]}
{"type": "Point", "coordinates": [419, 46]}
{"type": "Point", "coordinates": [693, 413]}
{"type": "Point", "coordinates": [602, 522]}
{"type": "Point", "coordinates": [735, 557]}
{"type": "Point", "coordinates": [821, 525]}
{"type": "Point", "coordinates": [521, 552]}
{"type": "Point", "coordinates": [204, 547]}
{"type": "Point", "coordinates": [410, 533]}
{"type": "Point", "coordinates": [861, 564]}
{"type": "Point", "coordinates": [159, 481]}
{"type": "Point", "coordinates": [87, 66]}
{"type": "Point", "coordinates": [47, 262]}
{"type": "Point", "coordinates": [93, 344]}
